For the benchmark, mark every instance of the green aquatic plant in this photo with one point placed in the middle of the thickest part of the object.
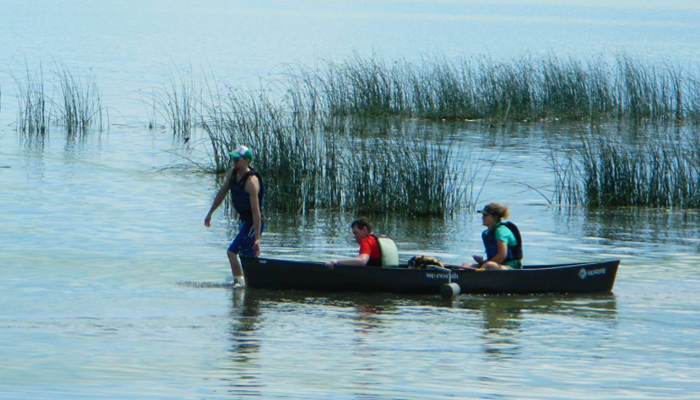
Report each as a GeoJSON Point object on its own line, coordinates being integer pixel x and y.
{"type": "Point", "coordinates": [34, 106]}
{"type": "Point", "coordinates": [660, 171]}
{"type": "Point", "coordinates": [150, 106]}
{"type": "Point", "coordinates": [176, 103]}
{"type": "Point", "coordinates": [411, 173]}
{"type": "Point", "coordinates": [527, 88]}
{"type": "Point", "coordinates": [691, 95]}
{"type": "Point", "coordinates": [314, 131]}
{"type": "Point", "coordinates": [283, 149]}
{"type": "Point", "coordinates": [81, 107]}
{"type": "Point", "coordinates": [344, 164]}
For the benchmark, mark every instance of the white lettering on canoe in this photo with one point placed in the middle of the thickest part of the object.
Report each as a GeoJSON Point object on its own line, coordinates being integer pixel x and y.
{"type": "Point", "coordinates": [583, 273]}
{"type": "Point", "coordinates": [433, 275]}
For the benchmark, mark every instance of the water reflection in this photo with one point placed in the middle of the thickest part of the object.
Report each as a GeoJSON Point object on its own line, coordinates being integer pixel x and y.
{"type": "Point", "coordinates": [246, 322]}
{"type": "Point", "coordinates": [368, 319]}
{"type": "Point", "coordinates": [643, 225]}
{"type": "Point", "coordinates": [637, 236]}
{"type": "Point", "coordinates": [355, 342]}
{"type": "Point", "coordinates": [500, 329]}
{"type": "Point", "coordinates": [503, 317]}
{"type": "Point", "coordinates": [75, 145]}
{"type": "Point", "coordinates": [265, 337]}
{"type": "Point", "coordinates": [246, 316]}
{"type": "Point", "coordinates": [33, 144]}
{"type": "Point", "coordinates": [503, 311]}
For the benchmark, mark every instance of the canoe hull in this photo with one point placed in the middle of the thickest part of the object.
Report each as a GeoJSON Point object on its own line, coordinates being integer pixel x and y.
{"type": "Point", "coordinates": [271, 273]}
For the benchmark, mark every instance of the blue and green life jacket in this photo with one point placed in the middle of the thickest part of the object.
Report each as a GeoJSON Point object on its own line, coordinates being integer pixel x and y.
{"type": "Point", "coordinates": [241, 199]}
{"type": "Point", "coordinates": [490, 244]}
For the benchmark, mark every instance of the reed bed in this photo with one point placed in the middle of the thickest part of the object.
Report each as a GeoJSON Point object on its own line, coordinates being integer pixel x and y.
{"type": "Point", "coordinates": [411, 174]}
{"type": "Point", "coordinates": [322, 139]}
{"type": "Point", "coordinates": [81, 107]}
{"type": "Point", "coordinates": [517, 90]}
{"type": "Point", "coordinates": [663, 171]}
{"type": "Point", "coordinates": [34, 105]}
{"type": "Point", "coordinates": [325, 143]}
{"type": "Point", "coordinates": [692, 99]}
{"type": "Point", "coordinates": [343, 164]}
{"type": "Point", "coordinates": [177, 103]}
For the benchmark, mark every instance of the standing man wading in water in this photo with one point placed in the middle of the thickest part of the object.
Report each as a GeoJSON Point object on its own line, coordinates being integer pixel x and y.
{"type": "Point", "coordinates": [247, 193]}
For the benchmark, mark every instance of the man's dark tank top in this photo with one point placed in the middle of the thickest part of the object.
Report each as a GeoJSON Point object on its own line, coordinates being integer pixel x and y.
{"type": "Point", "coordinates": [241, 199]}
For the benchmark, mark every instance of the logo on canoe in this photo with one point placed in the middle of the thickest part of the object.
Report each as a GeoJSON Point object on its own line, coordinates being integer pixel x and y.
{"type": "Point", "coordinates": [432, 275]}
{"type": "Point", "coordinates": [583, 273]}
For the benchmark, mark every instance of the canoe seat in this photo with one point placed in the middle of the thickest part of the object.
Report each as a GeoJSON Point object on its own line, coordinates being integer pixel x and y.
{"type": "Point", "coordinates": [390, 254]}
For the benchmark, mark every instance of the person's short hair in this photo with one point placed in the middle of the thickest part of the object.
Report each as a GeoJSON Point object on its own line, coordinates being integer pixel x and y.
{"type": "Point", "coordinates": [362, 222]}
{"type": "Point", "coordinates": [497, 210]}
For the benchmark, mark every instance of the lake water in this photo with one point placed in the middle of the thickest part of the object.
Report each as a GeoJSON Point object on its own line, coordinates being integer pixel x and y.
{"type": "Point", "coordinates": [111, 287]}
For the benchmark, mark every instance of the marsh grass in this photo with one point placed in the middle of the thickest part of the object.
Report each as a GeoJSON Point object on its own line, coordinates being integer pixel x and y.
{"type": "Point", "coordinates": [662, 171]}
{"type": "Point", "coordinates": [565, 171]}
{"type": "Point", "coordinates": [176, 103]}
{"type": "Point", "coordinates": [691, 95]}
{"type": "Point", "coordinates": [34, 105]}
{"type": "Point", "coordinates": [345, 164]}
{"type": "Point", "coordinates": [517, 90]}
{"type": "Point", "coordinates": [340, 137]}
{"type": "Point", "coordinates": [150, 106]}
{"type": "Point", "coordinates": [411, 173]}
{"type": "Point", "coordinates": [283, 151]}
{"type": "Point", "coordinates": [81, 107]}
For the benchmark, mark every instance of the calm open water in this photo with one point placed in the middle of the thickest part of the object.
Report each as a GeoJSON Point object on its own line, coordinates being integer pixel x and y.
{"type": "Point", "coordinates": [111, 287]}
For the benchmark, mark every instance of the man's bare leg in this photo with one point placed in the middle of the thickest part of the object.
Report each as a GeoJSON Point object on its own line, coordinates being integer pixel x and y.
{"type": "Point", "coordinates": [236, 269]}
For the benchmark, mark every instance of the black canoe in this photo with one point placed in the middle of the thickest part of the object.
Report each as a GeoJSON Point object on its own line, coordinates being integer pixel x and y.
{"type": "Point", "coordinates": [271, 273]}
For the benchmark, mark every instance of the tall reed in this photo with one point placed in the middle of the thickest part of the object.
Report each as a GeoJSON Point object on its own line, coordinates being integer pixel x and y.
{"type": "Point", "coordinates": [283, 151]}
{"type": "Point", "coordinates": [481, 88]}
{"type": "Point", "coordinates": [313, 143]}
{"type": "Point", "coordinates": [409, 174]}
{"type": "Point", "coordinates": [343, 164]}
{"type": "Point", "coordinates": [150, 106]}
{"type": "Point", "coordinates": [34, 106]}
{"type": "Point", "coordinates": [81, 107]}
{"type": "Point", "coordinates": [663, 171]}
{"type": "Point", "coordinates": [692, 102]}
{"type": "Point", "coordinates": [176, 103]}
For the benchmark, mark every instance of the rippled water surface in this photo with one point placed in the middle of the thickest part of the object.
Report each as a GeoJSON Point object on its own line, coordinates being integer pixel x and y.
{"type": "Point", "coordinates": [112, 288]}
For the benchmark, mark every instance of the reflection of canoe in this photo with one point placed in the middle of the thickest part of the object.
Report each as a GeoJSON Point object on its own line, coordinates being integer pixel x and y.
{"type": "Point", "coordinates": [304, 275]}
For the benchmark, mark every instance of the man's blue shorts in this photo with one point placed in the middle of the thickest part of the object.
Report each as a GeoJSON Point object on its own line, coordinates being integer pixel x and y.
{"type": "Point", "coordinates": [243, 242]}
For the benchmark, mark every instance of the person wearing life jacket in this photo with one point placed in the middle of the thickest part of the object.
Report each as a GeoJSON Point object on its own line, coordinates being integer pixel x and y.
{"type": "Point", "coordinates": [247, 192]}
{"type": "Point", "coordinates": [503, 249]}
{"type": "Point", "coordinates": [370, 253]}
